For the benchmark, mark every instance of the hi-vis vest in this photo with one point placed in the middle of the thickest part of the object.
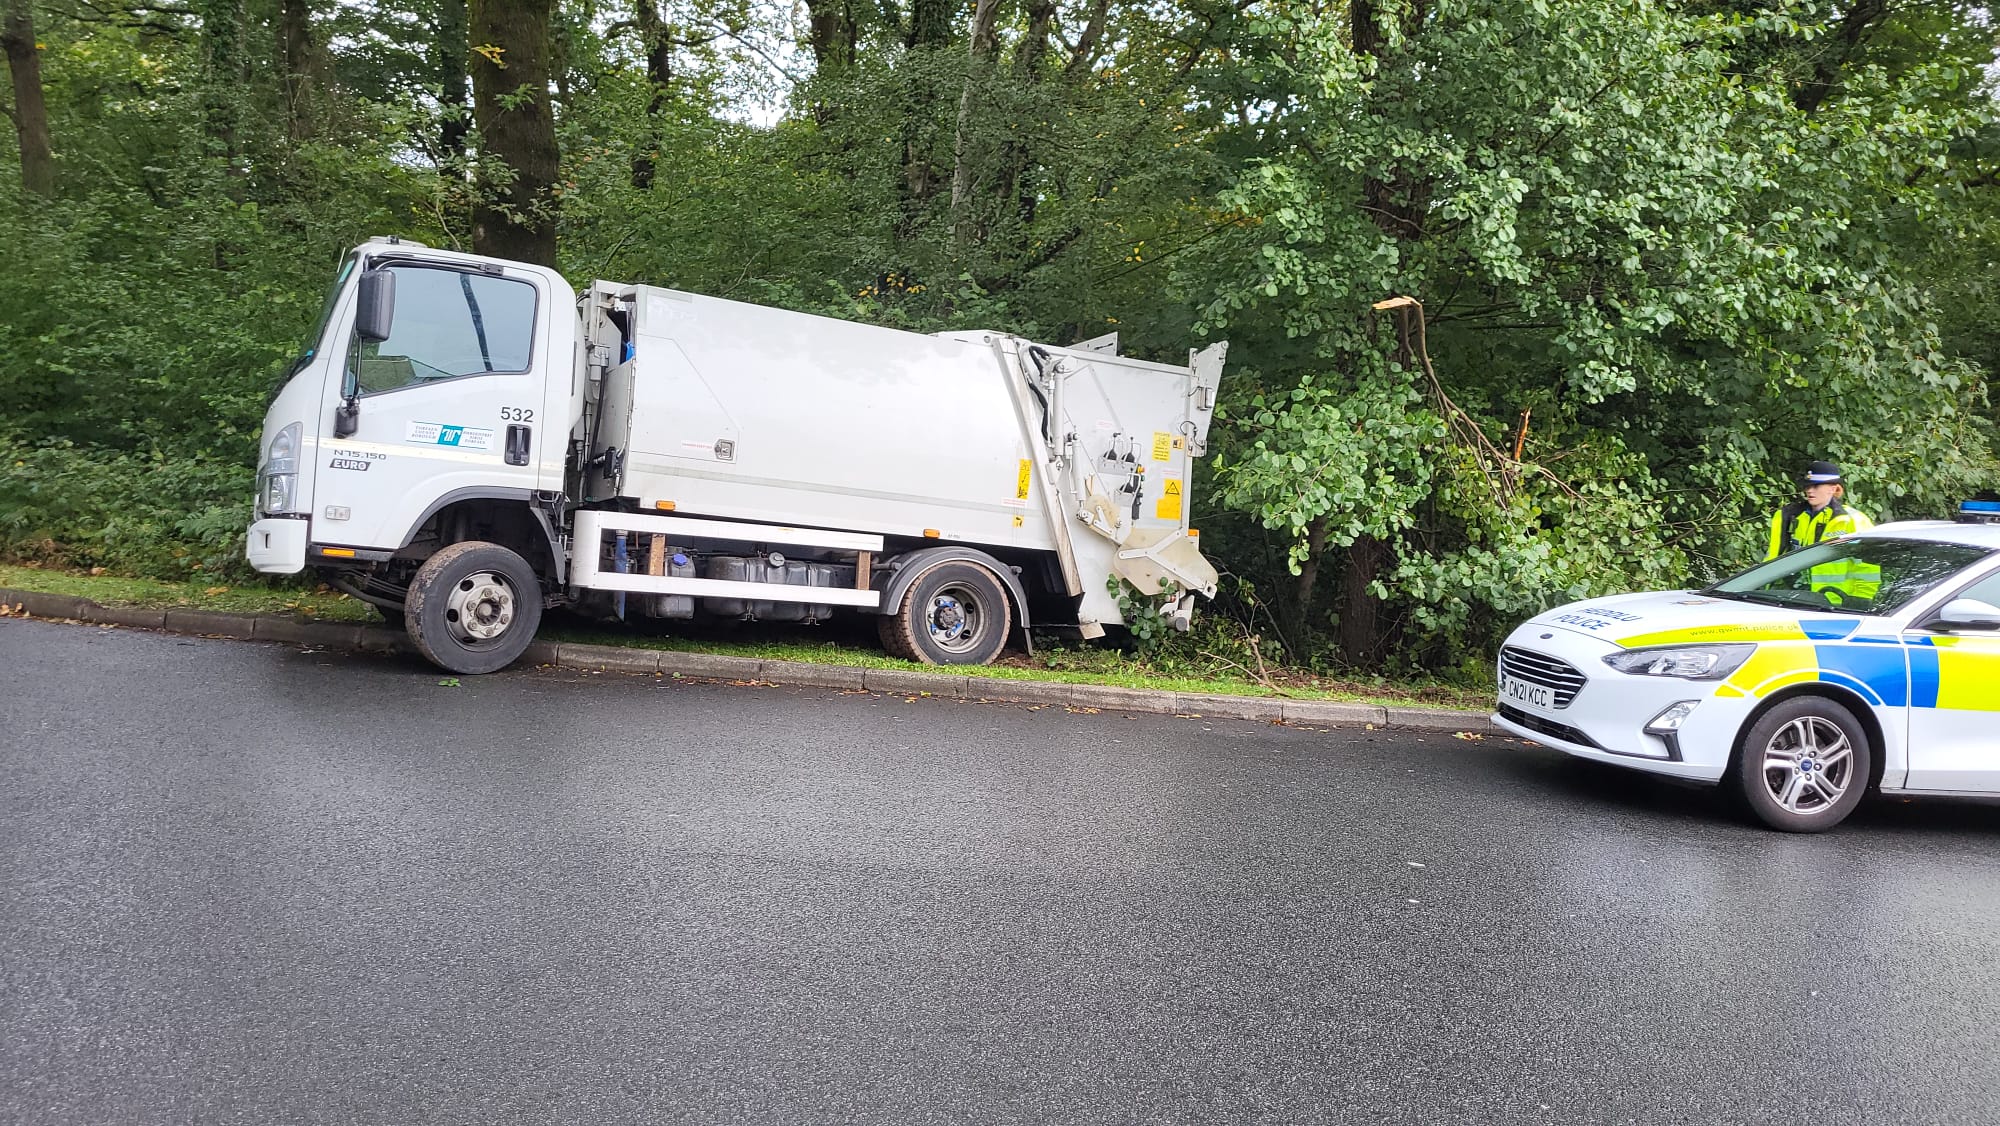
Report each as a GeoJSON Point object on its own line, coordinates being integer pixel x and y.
{"type": "Point", "coordinates": [1796, 526]}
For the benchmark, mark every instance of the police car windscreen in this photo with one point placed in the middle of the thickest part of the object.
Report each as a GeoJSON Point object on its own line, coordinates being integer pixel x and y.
{"type": "Point", "coordinates": [1860, 576]}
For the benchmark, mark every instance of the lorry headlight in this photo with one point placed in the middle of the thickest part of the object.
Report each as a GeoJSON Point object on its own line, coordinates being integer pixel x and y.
{"type": "Point", "coordinates": [283, 456]}
{"type": "Point", "coordinates": [279, 493]}
{"type": "Point", "coordinates": [278, 480]}
{"type": "Point", "coordinates": [1689, 662]}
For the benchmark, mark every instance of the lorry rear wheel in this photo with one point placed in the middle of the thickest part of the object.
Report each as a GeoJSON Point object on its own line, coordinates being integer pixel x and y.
{"type": "Point", "coordinates": [473, 607]}
{"type": "Point", "coordinates": [954, 614]}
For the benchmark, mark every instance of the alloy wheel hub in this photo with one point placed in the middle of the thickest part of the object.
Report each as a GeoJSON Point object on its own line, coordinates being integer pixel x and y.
{"type": "Point", "coordinates": [1808, 765]}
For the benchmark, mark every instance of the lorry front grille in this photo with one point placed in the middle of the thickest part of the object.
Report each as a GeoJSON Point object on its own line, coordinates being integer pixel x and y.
{"type": "Point", "coordinates": [1542, 669]}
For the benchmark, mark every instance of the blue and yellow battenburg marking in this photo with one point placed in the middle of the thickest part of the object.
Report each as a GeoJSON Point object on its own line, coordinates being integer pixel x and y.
{"type": "Point", "coordinates": [1829, 630]}
{"type": "Point", "coordinates": [1953, 673]}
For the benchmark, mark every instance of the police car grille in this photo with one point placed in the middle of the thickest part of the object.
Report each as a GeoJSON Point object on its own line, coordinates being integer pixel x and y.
{"type": "Point", "coordinates": [1548, 727]}
{"type": "Point", "coordinates": [1538, 668]}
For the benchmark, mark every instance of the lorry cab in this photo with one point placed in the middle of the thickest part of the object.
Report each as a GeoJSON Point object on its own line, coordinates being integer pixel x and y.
{"type": "Point", "coordinates": [371, 436]}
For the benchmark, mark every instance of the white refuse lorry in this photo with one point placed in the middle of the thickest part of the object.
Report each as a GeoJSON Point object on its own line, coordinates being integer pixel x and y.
{"type": "Point", "coordinates": [465, 442]}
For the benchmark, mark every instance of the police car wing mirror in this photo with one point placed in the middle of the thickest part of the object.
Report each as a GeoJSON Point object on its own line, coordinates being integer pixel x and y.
{"type": "Point", "coordinates": [1965, 614]}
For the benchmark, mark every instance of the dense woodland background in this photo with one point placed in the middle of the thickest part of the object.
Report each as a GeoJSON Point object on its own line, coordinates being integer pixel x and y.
{"type": "Point", "coordinates": [1669, 251]}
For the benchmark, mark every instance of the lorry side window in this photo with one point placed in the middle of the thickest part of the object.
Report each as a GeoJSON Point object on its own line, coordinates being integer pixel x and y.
{"type": "Point", "coordinates": [448, 323]}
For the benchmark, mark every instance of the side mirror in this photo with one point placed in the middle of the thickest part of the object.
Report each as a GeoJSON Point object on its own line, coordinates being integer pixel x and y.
{"type": "Point", "coordinates": [1965, 614]}
{"type": "Point", "coordinates": [375, 307]}
{"type": "Point", "coordinates": [347, 418]}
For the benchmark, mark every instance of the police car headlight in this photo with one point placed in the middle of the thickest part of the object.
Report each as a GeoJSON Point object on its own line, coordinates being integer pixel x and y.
{"type": "Point", "coordinates": [1689, 662]}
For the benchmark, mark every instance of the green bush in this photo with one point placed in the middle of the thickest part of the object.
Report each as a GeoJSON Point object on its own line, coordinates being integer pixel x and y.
{"type": "Point", "coordinates": [134, 513]}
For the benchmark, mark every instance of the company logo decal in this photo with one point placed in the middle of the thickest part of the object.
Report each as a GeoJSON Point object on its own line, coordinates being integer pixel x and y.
{"type": "Point", "coordinates": [446, 434]}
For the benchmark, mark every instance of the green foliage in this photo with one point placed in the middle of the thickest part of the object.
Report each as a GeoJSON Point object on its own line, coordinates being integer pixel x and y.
{"type": "Point", "coordinates": [1352, 460]}
{"type": "Point", "coordinates": [1668, 250]}
{"type": "Point", "coordinates": [1690, 284]}
{"type": "Point", "coordinates": [149, 515]}
{"type": "Point", "coordinates": [1147, 620]}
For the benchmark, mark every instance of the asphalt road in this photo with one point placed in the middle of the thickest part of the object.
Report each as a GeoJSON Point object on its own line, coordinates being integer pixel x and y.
{"type": "Point", "coordinates": [248, 884]}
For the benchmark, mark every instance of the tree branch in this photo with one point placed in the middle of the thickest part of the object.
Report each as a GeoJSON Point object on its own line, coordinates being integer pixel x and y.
{"type": "Point", "coordinates": [1188, 245]}
{"type": "Point", "coordinates": [1084, 55]}
{"type": "Point", "coordinates": [727, 32]}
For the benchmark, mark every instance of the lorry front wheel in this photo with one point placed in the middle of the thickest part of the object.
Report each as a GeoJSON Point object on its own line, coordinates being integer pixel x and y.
{"type": "Point", "coordinates": [473, 607]}
{"type": "Point", "coordinates": [954, 614]}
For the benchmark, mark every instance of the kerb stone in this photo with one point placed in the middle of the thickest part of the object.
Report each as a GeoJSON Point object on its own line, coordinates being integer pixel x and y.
{"type": "Point", "coordinates": [909, 683]}
{"type": "Point", "coordinates": [209, 623]}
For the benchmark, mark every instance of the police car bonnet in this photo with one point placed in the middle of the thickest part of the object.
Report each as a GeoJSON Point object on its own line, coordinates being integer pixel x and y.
{"type": "Point", "coordinates": [1666, 617]}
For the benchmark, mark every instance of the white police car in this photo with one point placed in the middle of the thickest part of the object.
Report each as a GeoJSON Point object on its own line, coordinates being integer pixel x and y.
{"type": "Point", "coordinates": [1867, 662]}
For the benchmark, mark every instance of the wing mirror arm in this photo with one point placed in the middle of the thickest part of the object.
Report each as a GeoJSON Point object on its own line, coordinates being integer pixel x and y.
{"type": "Point", "coordinates": [347, 417]}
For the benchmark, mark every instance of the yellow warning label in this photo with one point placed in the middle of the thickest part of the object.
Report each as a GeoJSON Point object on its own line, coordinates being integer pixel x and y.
{"type": "Point", "coordinates": [1017, 521]}
{"type": "Point", "coordinates": [1021, 483]}
{"type": "Point", "coordinates": [1180, 442]}
{"type": "Point", "coordinates": [1169, 505]}
{"type": "Point", "coordinates": [1173, 486]}
{"type": "Point", "coordinates": [1163, 445]}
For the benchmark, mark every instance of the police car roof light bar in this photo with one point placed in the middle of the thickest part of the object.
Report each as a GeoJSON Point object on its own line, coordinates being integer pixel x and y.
{"type": "Point", "coordinates": [1979, 512]}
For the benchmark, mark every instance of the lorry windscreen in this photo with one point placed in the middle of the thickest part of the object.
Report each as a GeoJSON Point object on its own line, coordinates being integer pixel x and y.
{"type": "Point", "coordinates": [319, 327]}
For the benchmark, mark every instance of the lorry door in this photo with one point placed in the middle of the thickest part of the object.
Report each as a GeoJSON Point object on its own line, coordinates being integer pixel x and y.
{"type": "Point", "coordinates": [1955, 704]}
{"type": "Point", "coordinates": [452, 400]}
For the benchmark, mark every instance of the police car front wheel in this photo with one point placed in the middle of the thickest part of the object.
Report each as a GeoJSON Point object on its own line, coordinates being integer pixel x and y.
{"type": "Point", "coordinates": [1804, 765]}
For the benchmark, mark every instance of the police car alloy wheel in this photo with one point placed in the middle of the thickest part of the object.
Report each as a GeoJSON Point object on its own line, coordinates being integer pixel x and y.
{"type": "Point", "coordinates": [1804, 765]}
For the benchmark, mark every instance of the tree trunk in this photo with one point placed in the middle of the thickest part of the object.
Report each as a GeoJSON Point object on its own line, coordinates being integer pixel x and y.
{"type": "Point", "coordinates": [1294, 625]}
{"type": "Point", "coordinates": [1837, 51]}
{"type": "Point", "coordinates": [833, 33]}
{"type": "Point", "coordinates": [930, 24]}
{"type": "Point", "coordinates": [1360, 612]}
{"type": "Point", "coordinates": [223, 79]}
{"type": "Point", "coordinates": [985, 46]}
{"type": "Point", "coordinates": [1085, 55]}
{"type": "Point", "coordinates": [659, 43]}
{"type": "Point", "coordinates": [929, 33]}
{"type": "Point", "coordinates": [300, 64]}
{"type": "Point", "coordinates": [1029, 59]}
{"type": "Point", "coordinates": [1034, 48]}
{"type": "Point", "coordinates": [31, 115]}
{"type": "Point", "coordinates": [1397, 203]}
{"type": "Point", "coordinates": [514, 214]}
{"type": "Point", "coordinates": [453, 68]}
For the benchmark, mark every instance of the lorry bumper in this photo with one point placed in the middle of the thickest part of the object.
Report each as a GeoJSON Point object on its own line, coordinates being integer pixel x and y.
{"type": "Point", "coordinates": [277, 547]}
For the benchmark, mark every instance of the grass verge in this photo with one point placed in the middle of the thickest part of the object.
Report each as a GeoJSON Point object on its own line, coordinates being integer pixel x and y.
{"type": "Point", "coordinates": [848, 642]}
{"type": "Point", "coordinates": [114, 590]}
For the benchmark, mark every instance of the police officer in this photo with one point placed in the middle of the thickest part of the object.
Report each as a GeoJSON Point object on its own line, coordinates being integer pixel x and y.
{"type": "Point", "coordinates": [1822, 514]}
